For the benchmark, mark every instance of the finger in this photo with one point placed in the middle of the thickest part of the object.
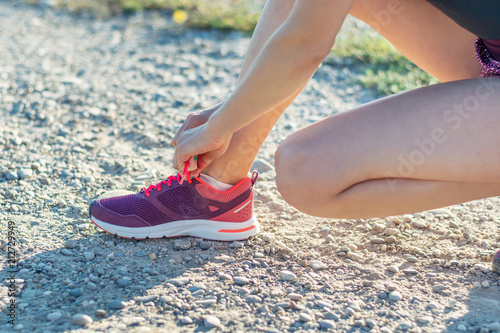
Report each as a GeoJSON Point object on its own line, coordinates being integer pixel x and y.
{"type": "Point", "coordinates": [174, 161]}
{"type": "Point", "coordinates": [179, 132]}
{"type": "Point", "coordinates": [192, 164]}
{"type": "Point", "coordinates": [203, 161]}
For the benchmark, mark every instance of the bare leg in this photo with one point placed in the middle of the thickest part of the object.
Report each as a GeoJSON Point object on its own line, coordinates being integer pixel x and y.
{"type": "Point", "coordinates": [423, 149]}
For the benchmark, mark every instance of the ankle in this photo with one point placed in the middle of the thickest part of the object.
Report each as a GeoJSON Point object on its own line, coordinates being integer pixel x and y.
{"type": "Point", "coordinates": [223, 177]}
{"type": "Point", "coordinates": [216, 184]}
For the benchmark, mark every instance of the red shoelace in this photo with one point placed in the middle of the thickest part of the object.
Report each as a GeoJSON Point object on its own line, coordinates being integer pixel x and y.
{"type": "Point", "coordinates": [179, 178]}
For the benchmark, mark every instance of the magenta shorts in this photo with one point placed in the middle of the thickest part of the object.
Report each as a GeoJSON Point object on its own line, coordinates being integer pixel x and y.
{"type": "Point", "coordinates": [489, 65]}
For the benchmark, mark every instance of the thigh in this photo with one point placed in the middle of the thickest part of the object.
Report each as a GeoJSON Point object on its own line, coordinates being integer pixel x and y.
{"type": "Point", "coordinates": [445, 132]}
{"type": "Point", "coordinates": [424, 35]}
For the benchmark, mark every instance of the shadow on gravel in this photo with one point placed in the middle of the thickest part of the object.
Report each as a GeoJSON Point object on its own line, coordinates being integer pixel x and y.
{"type": "Point", "coordinates": [119, 283]}
{"type": "Point", "coordinates": [484, 312]}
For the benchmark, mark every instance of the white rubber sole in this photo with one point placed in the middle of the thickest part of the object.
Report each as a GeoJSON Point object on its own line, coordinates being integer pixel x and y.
{"type": "Point", "coordinates": [213, 230]}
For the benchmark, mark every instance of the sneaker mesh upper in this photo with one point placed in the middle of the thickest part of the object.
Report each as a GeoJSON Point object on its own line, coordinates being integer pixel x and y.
{"type": "Point", "coordinates": [180, 201]}
{"type": "Point", "coordinates": [132, 205]}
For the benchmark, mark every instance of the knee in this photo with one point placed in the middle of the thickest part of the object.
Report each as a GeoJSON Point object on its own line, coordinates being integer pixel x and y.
{"type": "Point", "coordinates": [292, 168]}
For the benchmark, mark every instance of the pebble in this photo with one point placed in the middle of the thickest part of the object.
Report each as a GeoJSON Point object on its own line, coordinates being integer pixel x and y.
{"type": "Point", "coordinates": [89, 255]}
{"type": "Point", "coordinates": [419, 224]}
{"type": "Point", "coordinates": [29, 294]}
{"type": "Point", "coordinates": [179, 281]}
{"type": "Point", "coordinates": [77, 292]}
{"type": "Point", "coordinates": [123, 282]}
{"type": "Point", "coordinates": [485, 284]}
{"type": "Point", "coordinates": [482, 268]}
{"type": "Point", "coordinates": [198, 286]}
{"type": "Point", "coordinates": [54, 316]}
{"type": "Point", "coordinates": [12, 176]}
{"type": "Point", "coordinates": [211, 321]}
{"type": "Point", "coordinates": [88, 179]}
{"type": "Point", "coordinates": [253, 299]}
{"type": "Point", "coordinates": [317, 265]}
{"type": "Point", "coordinates": [186, 320]}
{"type": "Point", "coordinates": [147, 298]}
{"type": "Point", "coordinates": [182, 244]}
{"type": "Point", "coordinates": [410, 258]}
{"type": "Point", "coordinates": [236, 245]}
{"type": "Point", "coordinates": [393, 269]}
{"type": "Point", "coordinates": [354, 305]}
{"type": "Point", "coordinates": [100, 313]}
{"type": "Point", "coordinates": [207, 301]}
{"type": "Point", "coordinates": [395, 296]}
{"type": "Point", "coordinates": [327, 324]}
{"type": "Point", "coordinates": [425, 320]}
{"type": "Point", "coordinates": [288, 276]}
{"type": "Point", "coordinates": [66, 252]}
{"type": "Point", "coordinates": [391, 231]}
{"type": "Point", "coordinates": [441, 211]}
{"type": "Point", "coordinates": [25, 173]}
{"type": "Point", "coordinates": [438, 287]}
{"type": "Point", "coordinates": [116, 305]}
{"type": "Point", "coordinates": [390, 240]}
{"type": "Point", "coordinates": [81, 319]}
{"type": "Point", "coordinates": [493, 326]}
{"type": "Point", "coordinates": [295, 296]}
{"type": "Point", "coordinates": [241, 280]}
{"type": "Point", "coordinates": [461, 328]}
{"type": "Point", "coordinates": [205, 245]}
{"type": "Point", "coordinates": [410, 271]}
{"type": "Point", "coordinates": [304, 317]}
{"type": "Point", "coordinates": [377, 240]}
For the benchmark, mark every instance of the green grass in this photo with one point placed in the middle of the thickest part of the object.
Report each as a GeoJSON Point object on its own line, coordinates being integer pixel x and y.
{"type": "Point", "coordinates": [382, 67]}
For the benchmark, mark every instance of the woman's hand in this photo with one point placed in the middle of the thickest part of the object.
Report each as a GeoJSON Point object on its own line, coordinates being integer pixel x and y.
{"type": "Point", "coordinates": [201, 141]}
{"type": "Point", "coordinates": [194, 120]}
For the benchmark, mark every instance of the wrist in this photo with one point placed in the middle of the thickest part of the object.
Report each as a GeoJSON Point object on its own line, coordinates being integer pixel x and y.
{"type": "Point", "coordinates": [217, 124]}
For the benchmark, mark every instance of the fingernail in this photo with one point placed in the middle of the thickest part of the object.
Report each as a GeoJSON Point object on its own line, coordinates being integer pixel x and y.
{"type": "Point", "coordinates": [195, 158]}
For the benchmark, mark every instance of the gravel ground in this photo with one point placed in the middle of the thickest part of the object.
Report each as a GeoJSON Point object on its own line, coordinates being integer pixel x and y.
{"type": "Point", "coordinates": [90, 106]}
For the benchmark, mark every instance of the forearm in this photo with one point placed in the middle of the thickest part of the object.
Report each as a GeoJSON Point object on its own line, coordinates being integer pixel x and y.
{"type": "Point", "coordinates": [275, 12]}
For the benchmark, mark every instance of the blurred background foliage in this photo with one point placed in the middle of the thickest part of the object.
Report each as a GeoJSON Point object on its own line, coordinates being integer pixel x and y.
{"type": "Point", "coordinates": [381, 67]}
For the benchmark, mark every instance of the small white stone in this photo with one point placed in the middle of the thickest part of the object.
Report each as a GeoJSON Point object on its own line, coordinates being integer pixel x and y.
{"type": "Point", "coordinates": [393, 269]}
{"type": "Point", "coordinates": [485, 284]}
{"type": "Point", "coordinates": [211, 321]}
{"type": "Point", "coordinates": [81, 319]}
{"type": "Point", "coordinates": [317, 265]}
{"type": "Point", "coordinates": [54, 316]}
{"type": "Point", "coordinates": [305, 317]}
{"type": "Point", "coordinates": [295, 296]}
{"type": "Point", "coordinates": [241, 280]}
{"type": "Point", "coordinates": [287, 276]}
{"type": "Point", "coordinates": [89, 255]}
{"type": "Point", "coordinates": [420, 224]}
{"type": "Point", "coordinates": [395, 296]}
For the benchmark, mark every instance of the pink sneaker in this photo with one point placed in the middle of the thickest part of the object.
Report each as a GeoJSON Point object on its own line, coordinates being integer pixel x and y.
{"type": "Point", "coordinates": [175, 207]}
